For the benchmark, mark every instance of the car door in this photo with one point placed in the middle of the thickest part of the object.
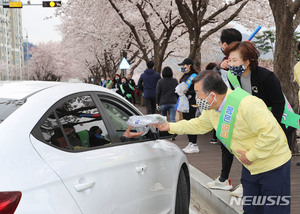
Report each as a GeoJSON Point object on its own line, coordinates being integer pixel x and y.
{"type": "Point", "coordinates": [152, 160]}
{"type": "Point", "coordinates": [101, 178]}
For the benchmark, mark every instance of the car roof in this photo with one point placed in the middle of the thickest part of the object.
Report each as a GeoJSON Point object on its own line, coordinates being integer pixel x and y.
{"type": "Point", "coordinates": [24, 89]}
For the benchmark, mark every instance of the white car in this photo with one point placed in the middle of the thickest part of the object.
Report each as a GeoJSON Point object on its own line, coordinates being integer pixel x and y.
{"type": "Point", "coordinates": [61, 153]}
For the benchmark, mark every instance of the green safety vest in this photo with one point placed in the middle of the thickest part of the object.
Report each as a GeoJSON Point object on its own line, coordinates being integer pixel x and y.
{"type": "Point", "coordinates": [131, 87]}
{"type": "Point", "coordinates": [228, 114]}
{"type": "Point", "coordinates": [289, 118]}
{"type": "Point", "coordinates": [123, 92]}
{"type": "Point", "coordinates": [108, 84]}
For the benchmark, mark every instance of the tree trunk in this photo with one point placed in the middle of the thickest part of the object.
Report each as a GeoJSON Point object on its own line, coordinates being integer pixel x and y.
{"type": "Point", "coordinates": [158, 58]}
{"type": "Point", "coordinates": [284, 58]}
{"type": "Point", "coordinates": [194, 44]}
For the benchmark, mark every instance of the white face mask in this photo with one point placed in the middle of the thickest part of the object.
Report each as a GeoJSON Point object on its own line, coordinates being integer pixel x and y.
{"type": "Point", "coordinates": [203, 103]}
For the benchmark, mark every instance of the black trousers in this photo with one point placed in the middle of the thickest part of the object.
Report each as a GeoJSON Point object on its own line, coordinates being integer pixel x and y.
{"type": "Point", "coordinates": [227, 159]}
{"type": "Point", "coordinates": [150, 105]}
{"type": "Point", "coordinates": [133, 97]}
{"type": "Point", "coordinates": [188, 116]}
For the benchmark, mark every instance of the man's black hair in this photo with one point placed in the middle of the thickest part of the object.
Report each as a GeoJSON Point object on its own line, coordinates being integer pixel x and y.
{"type": "Point", "coordinates": [211, 81]}
{"type": "Point", "coordinates": [150, 64]}
{"type": "Point", "coordinates": [93, 129]}
{"type": "Point", "coordinates": [230, 35]}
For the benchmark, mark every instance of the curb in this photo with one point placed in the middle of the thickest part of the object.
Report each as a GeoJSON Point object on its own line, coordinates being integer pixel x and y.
{"type": "Point", "coordinates": [217, 200]}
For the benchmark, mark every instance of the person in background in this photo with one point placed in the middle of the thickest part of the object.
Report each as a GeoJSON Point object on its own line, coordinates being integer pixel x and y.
{"type": "Point", "coordinates": [58, 139]}
{"type": "Point", "coordinates": [96, 138]}
{"type": "Point", "coordinates": [211, 66]}
{"type": "Point", "coordinates": [108, 83]}
{"type": "Point", "coordinates": [125, 89]}
{"type": "Point", "coordinates": [132, 86]}
{"type": "Point", "coordinates": [166, 97]}
{"type": "Point", "coordinates": [116, 81]}
{"type": "Point", "coordinates": [147, 84]}
{"type": "Point", "coordinates": [255, 138]}
{"type": "Point", "coordinates": [187, 68]}
{"type": "Point", "coordinates": [228, 36]}
{"type": "Point", "coordinates": [297, 79]}
{"type": "Point", "coordinates": [102, 81]}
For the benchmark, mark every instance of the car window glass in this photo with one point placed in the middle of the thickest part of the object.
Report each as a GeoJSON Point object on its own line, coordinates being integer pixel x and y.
{"type": "Point", "coordinates": [119, 115]}
{"type": "Point", "coordinates": [81, 122]}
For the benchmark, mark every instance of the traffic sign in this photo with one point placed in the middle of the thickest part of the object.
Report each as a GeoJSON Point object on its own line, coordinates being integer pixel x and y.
{"type": "Point", "coordinates": [124, 64]}
{"type": "Point", "coordinates": [12, 5]}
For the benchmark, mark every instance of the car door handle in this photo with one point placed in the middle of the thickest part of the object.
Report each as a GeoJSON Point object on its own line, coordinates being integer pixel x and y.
{"type": "Point", "coordinates": [140, 169]}
{"type": "Point", "coordinates": [84, 186]}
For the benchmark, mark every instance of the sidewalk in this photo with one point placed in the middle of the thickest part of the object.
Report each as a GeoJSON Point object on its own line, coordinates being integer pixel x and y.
{"type": "Point", "coordinates": [208, 162]}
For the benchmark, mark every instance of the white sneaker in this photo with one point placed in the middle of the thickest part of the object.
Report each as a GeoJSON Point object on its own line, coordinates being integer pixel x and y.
{"type": "Point", "coordinates": [192, 149]}
{"type": "Point", "coordinates": [238, 192]}
{"type": "Point", "coordinates": [217, 184]}
{"type": "Point", "coordinates": [188, 146]}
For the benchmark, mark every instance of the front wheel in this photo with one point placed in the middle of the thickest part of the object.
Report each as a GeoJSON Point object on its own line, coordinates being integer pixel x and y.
{"type": "Point", "coordinates": [182, 195]}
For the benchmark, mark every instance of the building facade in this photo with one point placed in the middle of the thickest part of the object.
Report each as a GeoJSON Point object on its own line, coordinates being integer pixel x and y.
{"type": "Point", "coordinates": [11, 43]}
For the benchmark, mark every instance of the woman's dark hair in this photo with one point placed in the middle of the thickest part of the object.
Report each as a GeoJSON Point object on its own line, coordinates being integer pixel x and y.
{"type": "Point", "coordinates": [193, 70]}
{"type": "Point", "coordinates": [210, 66]}
{"type": "Point", "coordinates": [167, 72]}
{"type": "Point", "coordinates": [211, 81]}
{"type": "Point", "coordinates": [247, 51]}
{"type": "Point", "coordinates": [117, 75]}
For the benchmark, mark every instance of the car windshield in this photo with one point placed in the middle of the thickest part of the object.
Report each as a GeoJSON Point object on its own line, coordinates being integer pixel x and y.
{"type": "Point", "coordinates": [8, 106]}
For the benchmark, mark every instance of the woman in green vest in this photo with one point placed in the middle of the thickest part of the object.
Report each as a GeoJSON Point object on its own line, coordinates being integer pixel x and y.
{"type": "Point", "coordinates": [125, 89]}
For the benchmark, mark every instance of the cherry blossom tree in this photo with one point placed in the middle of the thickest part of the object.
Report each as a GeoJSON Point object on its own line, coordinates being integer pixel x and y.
{"type": "Point", "coordinates": [152, 24]}
{"type": "Point", "coordinates": [95, 38]}
{"type": "Point", "coordinates": [203, 18]}
{"type": "Point", "coordinates": [47, 62]}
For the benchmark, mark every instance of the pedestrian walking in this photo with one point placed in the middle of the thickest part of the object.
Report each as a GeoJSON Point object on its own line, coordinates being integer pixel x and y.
{"type": "Point", "coordinates": [166, 97]}
{"type": "Point", "coordinates": [147, 84]}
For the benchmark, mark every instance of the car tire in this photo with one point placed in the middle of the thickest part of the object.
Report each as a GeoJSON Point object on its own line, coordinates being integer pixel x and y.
{"type": "Point", "coordinates": [182, 195]}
